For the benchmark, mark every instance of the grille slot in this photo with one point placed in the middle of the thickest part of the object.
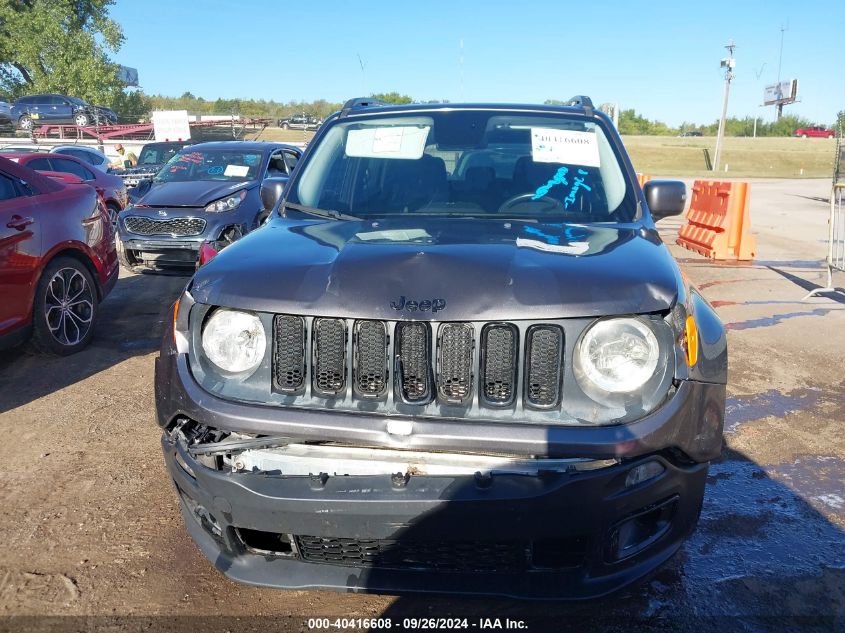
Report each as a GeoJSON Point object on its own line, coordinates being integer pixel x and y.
{"type": "Point", "coordinates": [544, 350]}
{"type": "Point", "coordinates": [496, 556]}
{"type": "Point", "coordinates": [288, 353]}
{"type": "Point", "coordinates": [174, 226]}
{"type": "Point", "coordinates": [499, 363]}
{"type": "Point", "coordinates": [371, 369]}
{"type": "Point", "coordinates": [454, 361]}
{"type": "Point", "coordinates": [413, 358]}
{"type": "Point", "coordinates": [328, 375]}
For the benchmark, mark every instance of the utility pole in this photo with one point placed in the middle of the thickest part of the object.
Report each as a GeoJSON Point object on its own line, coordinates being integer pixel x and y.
{"type": "Point", "coordinates": [728, 64]}
{"type": "Point", "coordinates": [780, 59]}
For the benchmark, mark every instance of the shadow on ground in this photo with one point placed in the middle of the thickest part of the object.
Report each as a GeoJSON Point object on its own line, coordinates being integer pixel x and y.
{"type": "Point", "coordinates": [131, 323]}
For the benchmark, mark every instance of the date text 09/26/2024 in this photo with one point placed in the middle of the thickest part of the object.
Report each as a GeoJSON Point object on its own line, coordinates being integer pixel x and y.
{"type": "Point", "coordinates": [417, 624]}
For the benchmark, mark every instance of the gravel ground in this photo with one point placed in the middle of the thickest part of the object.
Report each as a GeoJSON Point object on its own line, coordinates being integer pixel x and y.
{"type": "Point", "coordinates": [92, 533]}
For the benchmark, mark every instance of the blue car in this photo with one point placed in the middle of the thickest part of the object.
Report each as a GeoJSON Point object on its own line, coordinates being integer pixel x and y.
{"type": "Point", "coordinates": [208, 192]}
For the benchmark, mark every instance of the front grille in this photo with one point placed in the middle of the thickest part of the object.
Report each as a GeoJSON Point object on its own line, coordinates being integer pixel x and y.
{"type": "Point", "coordinates": [288, 353]}
{"type": "Point", "coordinates": [499, 366]}
{"type": "Point", "coordinates": [543, 365]}
{"type": "Point", "coordinates": [371, 368]}
{"type": "Point", "coordinates": [485, 556]}
{"type": "Point", "coordinates": [175, 226]}
{"type": "Point", "coordinates": [329, 373]}
{"type": "Point", "coordinates": [414, 360]}
{"type": "Point", "coordinates": [372, 365]}
{"type": "Point", "coordinates": [454, 372]}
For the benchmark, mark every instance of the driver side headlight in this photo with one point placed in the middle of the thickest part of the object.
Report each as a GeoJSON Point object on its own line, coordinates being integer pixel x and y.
{"type": "Point", "coordinates": [226, 204]}
{"type": "Point", "coordinates": [234, 340]}
{"type": "Point", "coordinates": [617, 356]}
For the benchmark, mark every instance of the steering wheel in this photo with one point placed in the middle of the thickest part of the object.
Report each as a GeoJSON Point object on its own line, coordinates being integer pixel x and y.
{"type": "Point", "coordinates": [550, 204]}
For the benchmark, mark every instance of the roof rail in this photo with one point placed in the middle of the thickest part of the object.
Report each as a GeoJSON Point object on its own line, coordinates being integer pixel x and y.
{"type": "Point", "coordinates": [583, 101]}
{"type": "Point", "coordinates": [363, 102]}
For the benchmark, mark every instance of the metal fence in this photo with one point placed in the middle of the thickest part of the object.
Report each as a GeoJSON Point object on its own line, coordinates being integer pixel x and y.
{"type": "Point", "coordinates": [836, 243]}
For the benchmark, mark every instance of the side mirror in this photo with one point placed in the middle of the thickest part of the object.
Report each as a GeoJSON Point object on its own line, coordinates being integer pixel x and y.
{"type": "Point", "coordinates": [271, 191]}
{"type": "Point", "coordinates": [665, 197]}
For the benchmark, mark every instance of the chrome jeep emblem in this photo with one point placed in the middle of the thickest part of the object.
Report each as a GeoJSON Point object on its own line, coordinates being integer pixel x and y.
{"type": "Point", "coordinates": [163, 214]}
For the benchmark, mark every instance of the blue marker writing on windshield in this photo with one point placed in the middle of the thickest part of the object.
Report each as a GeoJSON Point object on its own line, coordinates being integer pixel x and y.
{"type": "Point", "coordinates": [558, 179]}
{"type": "Point", "coordinates": [576, 185]}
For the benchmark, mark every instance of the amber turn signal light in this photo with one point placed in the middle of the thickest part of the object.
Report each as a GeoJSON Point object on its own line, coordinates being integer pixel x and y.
{"type": "Point", "coordinates": [692, 341]}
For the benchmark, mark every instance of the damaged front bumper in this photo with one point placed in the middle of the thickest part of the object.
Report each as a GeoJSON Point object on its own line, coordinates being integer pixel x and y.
{"type": "Point", "coordinates": [565, 513]}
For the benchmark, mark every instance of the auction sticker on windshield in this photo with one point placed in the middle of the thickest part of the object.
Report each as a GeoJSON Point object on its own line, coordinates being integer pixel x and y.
{"type": "Point", "coordinates": [406, 142]}
{"type": "Point", "coordinates": [571, 147]}
{"type": "Point", "coordinates": [237, 171]}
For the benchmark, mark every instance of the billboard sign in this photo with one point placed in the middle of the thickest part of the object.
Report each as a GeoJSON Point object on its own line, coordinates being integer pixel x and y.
{"type": "Point", "coordinates": [171, 125]}
{"type": "Point", "coordinates": [781, 93]}
{"type": "Point", "coordinates": [128, 76]}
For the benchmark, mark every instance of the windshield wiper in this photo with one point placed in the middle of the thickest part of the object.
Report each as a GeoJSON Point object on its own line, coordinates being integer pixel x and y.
{"type": "Point", "coordinates": [320, 213]}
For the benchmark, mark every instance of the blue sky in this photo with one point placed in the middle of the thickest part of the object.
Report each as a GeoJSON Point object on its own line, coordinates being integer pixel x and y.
{"type": "Point", "coordinates": [660, 58]}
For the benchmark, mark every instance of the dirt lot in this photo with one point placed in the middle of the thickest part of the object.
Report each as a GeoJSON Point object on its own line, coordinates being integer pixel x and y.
{"type": "Point", "coordinates": [91, 526]}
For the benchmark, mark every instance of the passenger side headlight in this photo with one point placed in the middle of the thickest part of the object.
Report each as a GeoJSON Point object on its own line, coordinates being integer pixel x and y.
{"type": "Point", "coordinates": [234, 340]}
{"type": "Point", "coordinates": [617, 355]}
{"type": "Point", "coordinates": [226, 204]}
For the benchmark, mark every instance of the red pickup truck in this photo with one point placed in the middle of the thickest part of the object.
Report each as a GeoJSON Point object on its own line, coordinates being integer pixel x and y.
{"type": "Point", "coordinates": [819, 131]}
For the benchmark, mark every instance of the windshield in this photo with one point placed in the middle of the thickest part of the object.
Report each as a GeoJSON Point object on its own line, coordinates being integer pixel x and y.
{"type": "Point", "coordinates": [466, 163]}
{"type": "Point", "coordinates": [157, 154]}
{"type": "Point", "coordinates": [211, 164]}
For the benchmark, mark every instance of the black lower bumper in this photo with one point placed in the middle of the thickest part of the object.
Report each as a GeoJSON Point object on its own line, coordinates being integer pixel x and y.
{"type": "Point", "coordinates": [553, 536]}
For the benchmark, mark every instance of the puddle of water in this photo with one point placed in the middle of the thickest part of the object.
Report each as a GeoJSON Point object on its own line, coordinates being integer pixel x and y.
{"type": "Point", "coordinates": [818, 479]}
{"type": "Point", "coordinates": [742, 409]}
{"type": "Point", "coordinates": [754, 525]}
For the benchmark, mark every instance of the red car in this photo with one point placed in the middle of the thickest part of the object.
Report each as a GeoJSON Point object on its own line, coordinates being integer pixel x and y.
{"type": "Point", "coordinates": [114, 191]}
{"type": "Point", "coordinates": [57, 260]}
{"type": "Point", "coordinates": [818, 131]}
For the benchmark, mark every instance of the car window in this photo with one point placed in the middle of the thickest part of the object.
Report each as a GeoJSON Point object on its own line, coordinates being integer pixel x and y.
{"type": "Point", "coordinates": [471, 163]}
{"type": "Point", "coordinates": [232, 165]}
{"type": "Point", "coordinates": [276, 166]}
{"type": "Point", "coordinates": [77, 153]}
{"type": "Point", "coordinates": [40, 163]}
{"type": "Point", "coordinates": [290, 160]}
{"type": "Point", "coordinates": [7, 188]}
{"type": "Point", "coordinates": [71, 167]}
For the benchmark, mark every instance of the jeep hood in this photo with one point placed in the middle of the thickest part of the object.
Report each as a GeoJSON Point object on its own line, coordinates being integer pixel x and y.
{"type": "Point", "coordinates": [194, 193]}
{"type": "Point", "coordinates": [482, 269]}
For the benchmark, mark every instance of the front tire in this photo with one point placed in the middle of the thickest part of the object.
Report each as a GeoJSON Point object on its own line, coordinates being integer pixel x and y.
{"type": "Point", "coordinates": [285, 126]}
{"type": "Point", "coordinates": [803, 136]}
{"type": "Point", "coordinates": [81, 120]}
{"type": "Point", "coordinates": [114, 210]}
{"type": "Point", "coordinates": [25, 123]}
{"type": "Point", "coordinates": [65, 308]}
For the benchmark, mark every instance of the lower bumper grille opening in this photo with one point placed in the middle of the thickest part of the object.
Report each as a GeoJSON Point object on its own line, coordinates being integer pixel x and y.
{"type": "Point", "coordinates": [560, 553]}
{"type": "Point", "coordinates": [467, 556]}
{"type": "Point", "coordinates": [641, 530]}
{"type": "Point", "coordinates": [272, 543]}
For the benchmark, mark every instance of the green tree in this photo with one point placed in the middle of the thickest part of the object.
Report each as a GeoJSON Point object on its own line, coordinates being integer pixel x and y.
{"type": "Point", "coordinates": [132, 106]}
{"type": "Point", "coordinates": [60, 46]}
{"type": "Point", "coordinates": [392, 97]}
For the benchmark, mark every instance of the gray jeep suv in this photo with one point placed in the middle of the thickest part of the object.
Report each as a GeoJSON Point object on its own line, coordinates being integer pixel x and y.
{"type": "Point", "coordinates": [458, 358]}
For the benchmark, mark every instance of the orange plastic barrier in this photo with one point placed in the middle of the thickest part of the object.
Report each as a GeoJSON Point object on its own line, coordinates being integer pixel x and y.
{"type": "Point", "coordinates": [642, 179]}
{"type": "Point", "coordinates": [718, 221]}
